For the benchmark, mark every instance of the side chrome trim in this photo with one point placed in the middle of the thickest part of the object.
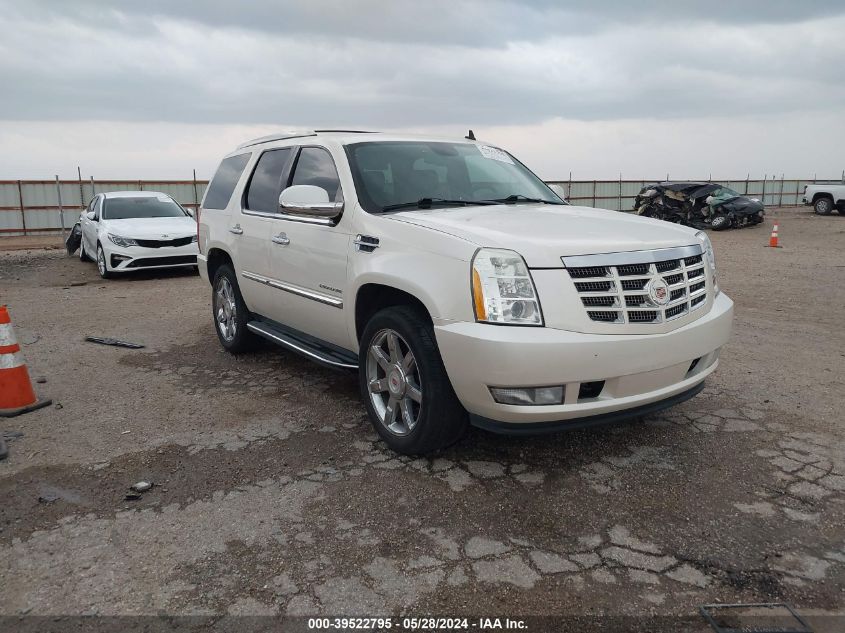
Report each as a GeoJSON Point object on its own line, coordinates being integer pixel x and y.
{"type": "Point", "coordinates": [296, 290]}
{"type": "Point", "coordinates": [632, 257]}
{"type": "Point", "coordinates": [300, 348]}
{"type": "Point", "coordinates": [291, 218]}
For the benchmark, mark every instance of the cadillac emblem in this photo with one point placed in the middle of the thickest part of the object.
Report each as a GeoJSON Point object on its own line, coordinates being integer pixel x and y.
{"type": "Point", "coordinates": [658, 291]}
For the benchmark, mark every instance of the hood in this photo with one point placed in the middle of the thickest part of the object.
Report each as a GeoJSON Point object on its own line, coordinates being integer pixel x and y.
{"type": "Point", "coordinates": [543, 234]}
{"type": "Point", "coordinates": [743, 205]}
{"type": "Point", "coordinates": [152, 228]}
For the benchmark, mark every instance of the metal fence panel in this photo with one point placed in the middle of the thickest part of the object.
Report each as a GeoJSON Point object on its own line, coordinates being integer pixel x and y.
{"type": "Point", "coordinates": [38, 212]}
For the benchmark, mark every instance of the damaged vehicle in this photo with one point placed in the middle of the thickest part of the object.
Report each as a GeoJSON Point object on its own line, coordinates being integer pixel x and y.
{"type": "Point", "coordinates": [698, 204]}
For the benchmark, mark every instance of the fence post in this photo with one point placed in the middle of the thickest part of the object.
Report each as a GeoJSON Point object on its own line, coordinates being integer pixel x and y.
{"type": "Point", "coordinates": [569, 191]}
{"type": "Point", "coordinates": [763, 195]}
{"type": "Point", "coordinates": [23, 212]}
{"type": "Point", "coordinates": [196, 194]}
{"type": "Point", "coordinates": [81, 192]}
{"type": "Point", "coordinates": [61, 210]}
{"type": "Point", "coordinates": [619, 204]}
{"type": "Point", "coordinates": [93, 190]}
{"type": "Point", "coordinates": [780, 199]}
{"type": "Point", "coordinates": [797, 188]}
{"type": "Point", "coordinates": [594, 194]}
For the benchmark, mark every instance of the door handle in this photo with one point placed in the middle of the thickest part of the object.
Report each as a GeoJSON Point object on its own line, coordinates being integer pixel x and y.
{"type": "Point", "coordinates": [237, 230]}
{"type": "Point", "coordinates": [281, 238]}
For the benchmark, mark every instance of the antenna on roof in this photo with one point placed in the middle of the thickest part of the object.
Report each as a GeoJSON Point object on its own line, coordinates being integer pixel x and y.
{"type": "Point", "coordinates": [470, 136]}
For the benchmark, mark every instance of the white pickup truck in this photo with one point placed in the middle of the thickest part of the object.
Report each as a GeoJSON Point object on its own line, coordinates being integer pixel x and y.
{"type": "Point", "coordinates": [457, 284]}
{"type": "Point", "coordinates": [825, 197]}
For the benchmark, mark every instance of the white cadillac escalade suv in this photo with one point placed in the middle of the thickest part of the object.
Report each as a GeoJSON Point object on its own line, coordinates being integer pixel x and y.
{"type": "Point", "coordinates": [457, 284]}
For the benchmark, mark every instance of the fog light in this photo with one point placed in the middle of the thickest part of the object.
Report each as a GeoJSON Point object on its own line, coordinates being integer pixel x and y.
{"type": "Point", "coordinates": [528, 395]}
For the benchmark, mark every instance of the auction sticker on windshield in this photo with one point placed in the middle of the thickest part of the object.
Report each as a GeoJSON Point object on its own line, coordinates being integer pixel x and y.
{"type": "Point", "coordinates": [495, 153]}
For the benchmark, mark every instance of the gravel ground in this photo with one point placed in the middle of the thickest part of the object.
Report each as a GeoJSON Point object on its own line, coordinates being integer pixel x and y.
{"type": "Point", "coordinates": [273, 495]}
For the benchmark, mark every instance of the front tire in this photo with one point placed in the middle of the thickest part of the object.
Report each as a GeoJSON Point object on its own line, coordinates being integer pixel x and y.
{"type": "Point", "coordinates": [102, 267]}
{"type": "Point", "coordinates": [230, 312]}
{"type": "Point", "coordinates": [404, 384]}
{"type": "Point", "coordinates": [823, 206]}
{"type": "Point", "coordinates": [720, 223]}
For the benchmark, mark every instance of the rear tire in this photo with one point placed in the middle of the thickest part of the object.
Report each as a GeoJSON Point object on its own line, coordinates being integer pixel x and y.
{"type": "Point", "coordinates": [823, 206]}
{"type": "Point", "coordinates": [405, 388]}
{"type": "Point", "coordinates": [230, 312]}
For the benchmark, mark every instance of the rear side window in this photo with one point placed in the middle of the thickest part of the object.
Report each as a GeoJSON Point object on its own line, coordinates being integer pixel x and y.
{"type": "Point", "coordinates": [223, 184]}
{"type": "Point", "coordinates": [266, 182]}
{"type": "Point", "coordinates": [316, 167]}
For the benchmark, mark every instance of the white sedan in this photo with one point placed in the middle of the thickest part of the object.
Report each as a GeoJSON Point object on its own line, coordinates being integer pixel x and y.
{"type": "Point", "coordinates": [126, 231]}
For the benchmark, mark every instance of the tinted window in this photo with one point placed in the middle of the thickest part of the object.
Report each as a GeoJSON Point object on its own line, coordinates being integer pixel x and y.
{"type": "Point", "coordinates": [223, 184]}
{"type": "Point", "coordinates": [141, 207]}
{"type": "Point", "coordinates": [266, 182]}
{"type": "Point", "coordinates": [95, 203]}
{"type": "Point", "coordinates": [316, 167]}
{"type": "Point", "coordinates": [400, 172]}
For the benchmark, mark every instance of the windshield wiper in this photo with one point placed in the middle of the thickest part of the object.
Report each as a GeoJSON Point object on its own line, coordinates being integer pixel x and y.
{"type": "Point", "coordinates": [518, 197]}
{"type": "Point", "coordinates": [427, 203]}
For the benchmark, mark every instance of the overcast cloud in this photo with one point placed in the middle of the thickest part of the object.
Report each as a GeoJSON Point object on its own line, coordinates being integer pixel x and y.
{"type": "Point", "coordinates": [154, 89]}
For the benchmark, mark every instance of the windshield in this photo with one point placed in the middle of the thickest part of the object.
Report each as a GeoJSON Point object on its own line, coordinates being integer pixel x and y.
{"type": "Point", "coordinates": [141, 207]}
{"type": "Point", "coordinates": [399, 174]}
{"type": "Point", "coordinates": [722, 195]}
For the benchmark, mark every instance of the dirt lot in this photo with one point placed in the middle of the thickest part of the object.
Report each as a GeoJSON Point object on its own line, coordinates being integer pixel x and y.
{"type": "Point", "coordinates": [273, 495]}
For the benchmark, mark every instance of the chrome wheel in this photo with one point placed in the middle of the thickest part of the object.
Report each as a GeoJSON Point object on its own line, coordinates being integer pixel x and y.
{"type": "Point", "coordinates": [101, 261]}
{"type": "Point", "coordinates": [226, 309]}
{"type": "Point", "coordinates": [394, 382]}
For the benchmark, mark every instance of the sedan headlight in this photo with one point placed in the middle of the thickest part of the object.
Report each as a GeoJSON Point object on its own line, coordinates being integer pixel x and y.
{"type": "Point", "coordinates": [122, 241]}
{"type": "Point", "coordinates": [194, 238]}
{"type": "Point", "coordinates": [709, 256]}
{"type": "Point", "coordinates": [502, 289]}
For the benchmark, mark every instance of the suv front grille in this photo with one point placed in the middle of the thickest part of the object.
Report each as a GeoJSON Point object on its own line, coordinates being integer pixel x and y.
{"type": "Point", "coordinates": [621, 293]}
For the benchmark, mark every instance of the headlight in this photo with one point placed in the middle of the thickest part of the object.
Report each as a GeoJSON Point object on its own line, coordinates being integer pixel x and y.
{"type": "Point", "coordinates": [709, 256]}
{"type": "Point", "coordinates": [194, 238]}
{"type": "Point", "coordinates": [502, 289]}
{"type": "Point", "coordinates": [122, 241]}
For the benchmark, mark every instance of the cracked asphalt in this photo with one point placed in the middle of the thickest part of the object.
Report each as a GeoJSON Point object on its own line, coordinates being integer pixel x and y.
{"type": "Point", "coordinates": [273, 495]}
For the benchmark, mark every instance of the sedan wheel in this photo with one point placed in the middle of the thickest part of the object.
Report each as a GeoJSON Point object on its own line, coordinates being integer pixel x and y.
{"type": "Point", "coordinates": [394, 381]}
{"type": "Point", "coordinates": [101, 263]}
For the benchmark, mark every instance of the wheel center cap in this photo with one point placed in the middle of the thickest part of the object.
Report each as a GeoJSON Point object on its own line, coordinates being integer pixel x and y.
{"type": "Point", "coordinates": [396, 382]}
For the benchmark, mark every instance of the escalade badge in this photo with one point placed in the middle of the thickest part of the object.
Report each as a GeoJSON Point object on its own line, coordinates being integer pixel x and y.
{"type": "Point", "coordinates": [658, 291]}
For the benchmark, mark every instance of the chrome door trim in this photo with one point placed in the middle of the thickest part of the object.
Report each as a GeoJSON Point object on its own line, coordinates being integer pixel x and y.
{"type": "Point", "coordinates": [632, 257]}
{"type": "Point", "coordinates": [291, 218]}
{"type": "Point", "coordinates": [296, 290]}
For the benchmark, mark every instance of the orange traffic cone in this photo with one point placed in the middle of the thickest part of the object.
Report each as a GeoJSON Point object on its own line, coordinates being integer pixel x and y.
{"type": "Point", "coordinates": [16, 393]}
{"type": "Point", "coordinates": [773, 240]}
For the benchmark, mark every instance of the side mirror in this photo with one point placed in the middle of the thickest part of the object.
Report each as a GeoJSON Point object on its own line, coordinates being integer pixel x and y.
{"type": "Point", "coordinates": [190, 212]}
{"type": "Point", "coordinates": [560, 191]}
{"type": "Point", "coordinates": [308, 200]}
{"type": "Point", "coordinates": [90, 215]}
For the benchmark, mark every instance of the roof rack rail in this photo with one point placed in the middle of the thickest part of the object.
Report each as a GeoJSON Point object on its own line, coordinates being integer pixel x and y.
{"type": "Point", "coordinates": [345, 131]}
{"type": "Point", "coordinates": [279, 136]}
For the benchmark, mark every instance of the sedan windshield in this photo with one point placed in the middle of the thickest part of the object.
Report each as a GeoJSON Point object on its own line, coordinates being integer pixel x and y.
{"type": "Point", "coordinates": [141, 207]}
{"type": "Point", "coordinates": [398, 175]}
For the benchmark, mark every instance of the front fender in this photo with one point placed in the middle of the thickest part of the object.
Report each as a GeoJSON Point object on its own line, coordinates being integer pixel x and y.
{"type": "Point", "coordinates": [442, 284]}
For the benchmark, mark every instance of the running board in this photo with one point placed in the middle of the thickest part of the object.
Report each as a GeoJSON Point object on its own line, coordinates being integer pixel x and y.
{"type": "Point", "coordinates": [307, 346]}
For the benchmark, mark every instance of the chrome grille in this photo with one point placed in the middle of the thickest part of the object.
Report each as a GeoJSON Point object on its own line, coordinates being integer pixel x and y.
{"type": "Point", "coordinates": [619, 291]}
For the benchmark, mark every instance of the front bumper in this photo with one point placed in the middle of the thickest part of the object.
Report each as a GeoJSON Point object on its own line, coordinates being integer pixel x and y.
{"type": "Point", "coordinates": [131, 258]}
{"type": "Point", "coordinates": [637, 370]}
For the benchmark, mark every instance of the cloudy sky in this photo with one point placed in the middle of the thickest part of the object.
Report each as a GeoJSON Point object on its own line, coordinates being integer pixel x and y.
{"type": "Point", "coordinates": [156, 88]}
